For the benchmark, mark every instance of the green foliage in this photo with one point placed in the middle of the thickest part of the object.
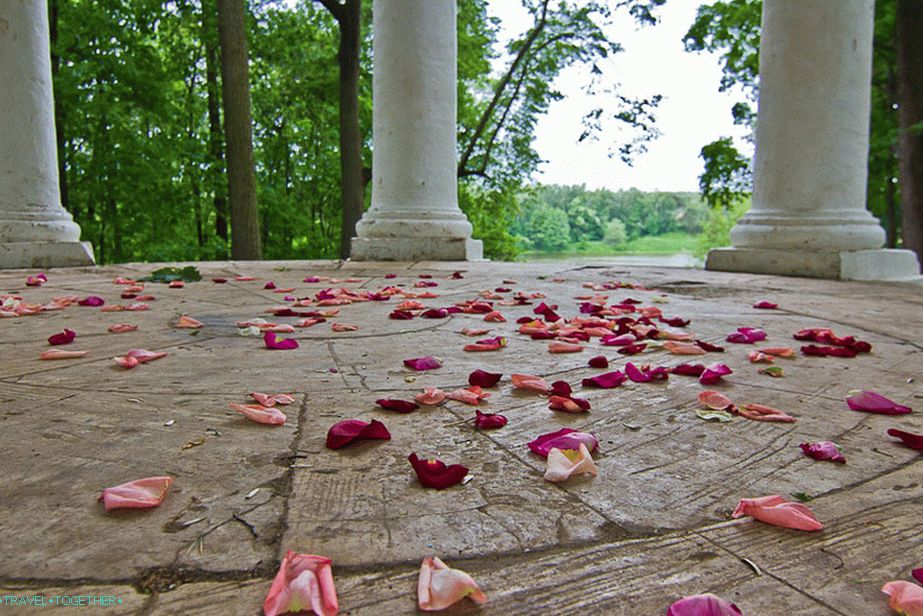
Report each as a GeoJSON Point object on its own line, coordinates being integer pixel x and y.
{"type": "Point", "coordinates": [171, 274]}
{"type": "Point", "coordinates": [727, 174]}
{"type": "Point", "coordinates": [616, 234]}
{"type": "Point", "coordinates": [717, 230]}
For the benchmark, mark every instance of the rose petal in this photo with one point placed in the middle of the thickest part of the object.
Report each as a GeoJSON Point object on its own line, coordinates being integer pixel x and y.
{"type": "Point", "coordinates": [489, 344]}
{"type": "Point", "coordinates": [765, 305]}
{"type": "Point", "coordinates": [260, 414]}
{"type": "Point", "coordinates": [122, 328]}
{"type": "Point", "coordinates": [761, 412]}
{"type": "Point", "coordinates": [914, 441]}
{"type": "Point", "coordinates": [272, 399]}
{"type": "Point", "coordinates": [435, 474]}
{"type": "Point", "coordinates": [92, 300]}
{"type": "Point", "coordinates": [65, 337]}
{"type": "Point", "coordinates": [827, 351]}
{"type": "Point", "coordinates": [59, 354]}
{"type": "Point", "coordinates": [688, 370]}
{"type": "Point", "coordinates": [138, 494]}
{"type": "Point", "coordinates": [905, 598]}
{"type": "Point", "coordinates": [304, 582]}
{"type": "Point", "coordinates": [600, 361]}
{"type": "Point", "coordinates": [871, 402]}
{"type": "Point", "coordinates": [824, 450]}
{"type": "Point", "coordinates": [646, 374]}
{"type": "Point", "coordinates": [280, 344]}
{"type": "Point", "coordinates": [746, 335]}
{"type": "Point", "coordinates": [565, 438]}
{"type": "Point", "coordinates": [484, 379]}
{"type": "Point", "coordinates": [713, 373]}
{"type": "Point", "coordinates": [440, 586]}
{"type": "Point", "coordinates": [711, 348]}
{"type": "Point", "coordinates": [568, 404]}
{"type": "Point", "coordinates": [680, 348]}
{"type": "Point", "coordinates": [703, 605]}
{"type": "Point", "coordinates": [486, 421]}
{"type": "Point", "coordinates": [401, 406]}
{"type": "Point", "coordinates": [778, 351]}
{"type": "Point", "coordinates": [345, 432]}
{"type": "Point", "coordinates": [430, 396]}
{"type": "Point", "coordinates": [423, 363]}
{"type": "Point", "coordinates": [469, 395]}
{"type": "Point", "coordinates": [343, 327]}
{"type": "Point", "coordinates": [716, 400]}
{"type": "Point", "coordinates": [564, 463]}
{"type": "Point", "coordinates": [605, 381]}
{"type": "Point", "coordinates": [186, 322]}
{"type": "Point", "coordinates": [917, 575]}
{"type": "Point", "coordinates": [530, 382]}
{"type": "Point", "coordinates": [778, 512]}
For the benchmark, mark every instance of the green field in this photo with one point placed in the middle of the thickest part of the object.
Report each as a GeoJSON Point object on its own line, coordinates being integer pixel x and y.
{"type": "Point", "coordinates": [666, 244]}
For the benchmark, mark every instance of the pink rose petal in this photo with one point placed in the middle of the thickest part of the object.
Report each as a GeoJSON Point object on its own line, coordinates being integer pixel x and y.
{"type": "Point", "coordinates": [530, 383]}
{"type": "Point", "coordinates": [65, 337]}
{"type": "Point", "coordinates": [122, 328]}
{"type": "Point", "coordinates": [187, 322]}
{"type": "Point", "coordinates": [824, 450]}
{"type": "Point", "coordinates": [469, 395]}
{"type": "Point", "coordinates": [716, 400]}
{"type": "Point", "coordinates": [871, 402]}
{"type": "Point", "coordinates": [138, 494]}
{"type": "Point", "coordinates": [765, 305]}
{"type": "Point", "coordinates": [279, 344]}
{"type": "Point", "coordinates": [746, 335]}
{"type": "Point", "coordinates": [272, 399]}
{"type": "Point", "coordinates": [421, 364]}
{"type": "Point", "coordinates": [565, 438]}
{"type": "Point", "coordinates": [605, 381]}
{"type": "Point", "coordinates": [905, 598]}
{"type": "Point", "coordinates": [92, 300]}
{"type": "Point", "coordinates": [713, 373]}
{"type": "Point", "coordinates": [260, 414]}
{"type": "Point", "coordinates": [777, 511]}
{"type": "Point", "coordinates": [440, 586]}
{"type": "Point", "coordinates": [486, 421]}
{"type": "Point", "coordinates": [703, 605]}
{"type": "Point", "coordinates": [430, 396]}
{"type": "Point", "coordinates": [304, 582]}
{"type": "Point", "coordinates": [761, 412]}
{"type": "Point", "coordinates": [435, 473]}
{"type": "Point", "coordinates": [562, 464]}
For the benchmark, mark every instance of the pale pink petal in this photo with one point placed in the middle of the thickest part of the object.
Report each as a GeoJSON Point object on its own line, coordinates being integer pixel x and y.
{"type": "Point", "coordinates": [440, 586]}
{"type": "Point", "coordinates": [562, 464]}
{"type": "Point", "coordinates": [138, 494]}
{"type": "Point", "coordinates": [430, 396]}
{"type": "Point", "coordinates": [530, 382]}
{"type": "Point", "coordinates": [304, 582]}
{"type": "Point", "coordinates": [60, 354]}
{"type": "Point", "coordinates": [271, 399]}
{"type": "Point", "coordinates": [122, 328]}
{"type": "Point", "coordinates": [126, 362]}
{"type": "Point", "coordinates": [343, 327]}
{"type": "Point", "coordinates": [679, 348]}
{"type": "Point", "coordinates": [469, 395]}
{"type": "Point", "coordinates": [186, 322]}
{"type": "Point", "coordinates": [715, 400]}
{"type": "Point", "coordinates": [260, 414]}
{"type": "Point", "coordinates": [564, 347]}
{"type": "Point", "coordinates": [905, 598]}
{"type": "Point", "coordinates": [778, 512]}
{"type": "Point", "coordinates": [143, 356]}
{"type": "Point", "coordinates": [761, 412]}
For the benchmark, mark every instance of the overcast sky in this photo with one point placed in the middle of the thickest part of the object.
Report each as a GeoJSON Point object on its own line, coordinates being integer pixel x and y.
{"type": "Point", "coordinates": [691, 114]}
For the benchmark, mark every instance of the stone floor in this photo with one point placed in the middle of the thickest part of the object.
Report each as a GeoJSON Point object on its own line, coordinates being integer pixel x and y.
{"type": "Point", "coordinates": [653, 526]}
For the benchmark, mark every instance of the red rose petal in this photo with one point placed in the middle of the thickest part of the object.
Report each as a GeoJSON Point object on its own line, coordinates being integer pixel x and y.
{"type": "Point", "coordinates": [605, 381]}
{"type": "Point", "coordinates": [345, 432]}
{"type": "Point", "coordinates": [484, 379]}
{"type": "Point", "coordinates": [486, 421]}
{"type": "Point", "coordinates": [870, 402]}
{"type": "Point", "coordinates": [435, 474]}
{"type": "Point", "coordinates": [65, 337]}
{"type": "Point", "coordinates": [824, 450]}
{"type": "Point", "coordinates": [421, 364]}
{"type": "Point", "coordinates": [600, 361]}
{"type": "Point", "coordinates": [565, 438]}
{"type": "Point", "coordinates": [914, 441]}
{"type": "Point", "coordinates": [401, 406]}
{"type": "Point", "coordinates": [279, 344]}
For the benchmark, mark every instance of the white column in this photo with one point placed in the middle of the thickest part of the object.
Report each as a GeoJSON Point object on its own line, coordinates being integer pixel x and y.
{"type": "Point", "coordinates": [35, 231]}
{"type": "Point", "coordinates": [808, 216]}
{"type": "Point", "coordinates": [414, 213]}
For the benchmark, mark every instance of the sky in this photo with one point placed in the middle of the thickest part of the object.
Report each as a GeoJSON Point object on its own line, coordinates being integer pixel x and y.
{"type": "Point", "coordinates": [692, 113]}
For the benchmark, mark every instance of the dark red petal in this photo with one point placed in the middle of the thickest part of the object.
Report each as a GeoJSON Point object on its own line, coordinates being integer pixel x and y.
{"type": "Point", "coordinates": [435, 474]}
{"type": "Point", "coordinates": [548, 312]}
{"type": "Point", "coordinates": [484, 421]}
{"type": "Point", "coordinates": [423, 363]}
{"type": "Point", "coordinates": [347, 431]}
{"type": "Point", "coordinates": [605, 381]}
{"type": "Point", "coordinates": [688, 369]}
{"type": "Point", "coordinates": [561, 388]}
{"type": "Point", "coordinates": [484, 379]}
{"type": "Point", "coordinates": [914, 441]}
{"type": "Point", "coordinates": [457, 276]}
{"type": "Point", "coordinates": [632, 349]}
{"type": "Point", "coordinates": [401, 315]}
{"type": "Point", "coordinates": [219, 280]}
{"type": "Point", "coordinates": [707, 346]}
{"type": "Point", "coordinates": [675, 321]}
{"type": "Point", "coordinates": [269, 285]}
{"type": "Point", "coordinates": [917, 575]}
{"type": "Point", "coordinates": [92, 300]}
{"type": "Point", "coordinates": [600, 361]}
{"type": "Point", "coordinates": [435, 313]}
{"type": "Point", "coordinates": [765, 305]}
{"type": "Point", "coordinates": [401, 406]}
{"type": "Point", "coordinates": [713, 373]}
{"type": "Point", "coordinates": [565, 438]}
{"type": "Point", "coordinates": [65, 337]}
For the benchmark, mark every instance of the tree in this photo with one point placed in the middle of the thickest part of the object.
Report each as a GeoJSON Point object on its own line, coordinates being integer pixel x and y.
{"type": "Point", "coordinates": [348, 15]}
{"type": "Point", "coordinates": [910, 88]}
{"type": "Point", "coordinates": [235, 88]}
{"type": "Point", "coordinates": [616, 235]}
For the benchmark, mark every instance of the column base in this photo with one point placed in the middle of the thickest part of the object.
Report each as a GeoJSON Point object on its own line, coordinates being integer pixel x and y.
{"type": "Point", "coordinates": [884, 264]}
{"type": "Point", "coordinates": [19, 255]}
{"type": "Point", "coordinates": [416, 249]}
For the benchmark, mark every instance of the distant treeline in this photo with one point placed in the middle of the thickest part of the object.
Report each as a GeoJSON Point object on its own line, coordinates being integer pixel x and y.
{"type": "Point", "coordinates": [554, 217]}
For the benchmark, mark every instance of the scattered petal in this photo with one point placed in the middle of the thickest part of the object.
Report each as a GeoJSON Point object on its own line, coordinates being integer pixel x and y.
{"type": "Point", "coordinates": [564, 463]}
{"type": "Point", "coordinates": [775, 372]}
{"type": "Point", "coordinates": [489, 344]}
{"type": "Point", "coordinates": [469, 395]}
{"type": "Point", "coordinates": [568, 404]}
{"type": "Point", "coordinates": [607, 380]}
{"type": "Point", "coordinates": [565, 438]}
{"type": "Point", "coordinates": [703, 605]}
{"type": "Point", "coordinates": [713, 373]}
{"type": "Point", "coordinates": [746, 335]}
{"type": "Point", "coordinates": [485, 421]}
{"type": "Point", "coordinates": [716, 400]}
{"type": "Point", "coordinates": [871, 402]}
{"type": "Point", "coordinates": [646, 374]}
{"type": "Point", "coordinates": [484, 379]}
{"type": "Point", "coordinates": [430, 396]}
{"type": "Point", "coordinates": [494, 317]}
{"type": "Point", "coordinates": [92, 300]}
{"type": "Point", "coordinates": [272, 399]}
{"type": "Point", "coordinates": [65, 337]}
{"type": "Point", "coordinates": [138, 494]}
{"type": "Point", "coordinates": [778, 351]}
{"type": "Point", "coordinates": [680, 348]}
{"type": "Point", "coordinates": [765, 305]}
{"type": "Point", "coordinates": [761, 412]}
{"type": "Point", "coordinates": [440, 586]}
{"type": "Point", "coordinates": [122, 328]}
{"type": "Point", "coordinates": [435, 473]}
{"type": "Point", "coordinates": [905, 598]}
{"type": "Point", "coordinates": [260, 414]}
{"type": "Point", "coordinates": [423, 363]}
{"type": "Point", "coordinates": [530, 382]}
{"type": "Point", "coordinates": [914, 441]}
{"type": "Point", "coordinates": [777, 511]}
{"type": "Point", "coordinates": [279, 344]}
{"type": "Point", "coordinates": [343, 327]}
{"type": "Point", "coordinates": [59, 354]}
{"type": "Point", "coordinates": [186, 322]}
{"type": "Point", "coordinates": [688, 370]}
{"type": "Point", "coordinates": [475, 332]}
{"type": "Point", "coordinates": [400, 406]}
{"type": "Point", "coordinates": [600, 361]}
{"type": "Point", "coordinates": [824, 450]}
{"type": "Point", "coordinates": [304, 582]}
{"type": "Point", "coordinates": [345, 432]}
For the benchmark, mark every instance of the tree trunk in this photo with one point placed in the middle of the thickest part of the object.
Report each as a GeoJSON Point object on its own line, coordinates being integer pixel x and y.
{"type": "Point", "coordinates": [352, 186]}
{"type": "Point", "coordinates": [909, 20]}
{"type": "Point", "coordinates": [235, 90]}
{"type": "Point", "coordinates": [58, 109]}
{"type": "Point", "coordinates": [215, 138]}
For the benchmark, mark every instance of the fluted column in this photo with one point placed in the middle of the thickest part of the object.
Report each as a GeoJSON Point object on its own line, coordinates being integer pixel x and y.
{"type": "Point", "coordinates": [35, 231]}
{"type": "Point", "coordinates": [808, 216]}
{"type": "Point", "coordinates": [414, 213]}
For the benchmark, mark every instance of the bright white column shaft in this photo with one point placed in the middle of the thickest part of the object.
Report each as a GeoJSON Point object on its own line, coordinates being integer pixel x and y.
{"type": "Point", "coordinates": [34, 228]}
{"type": "Point", "coordinates": [414, 182]}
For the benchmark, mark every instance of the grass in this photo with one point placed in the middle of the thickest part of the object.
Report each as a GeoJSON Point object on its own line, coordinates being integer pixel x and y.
{"type": "Point", "coordinates": [666, 244]}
